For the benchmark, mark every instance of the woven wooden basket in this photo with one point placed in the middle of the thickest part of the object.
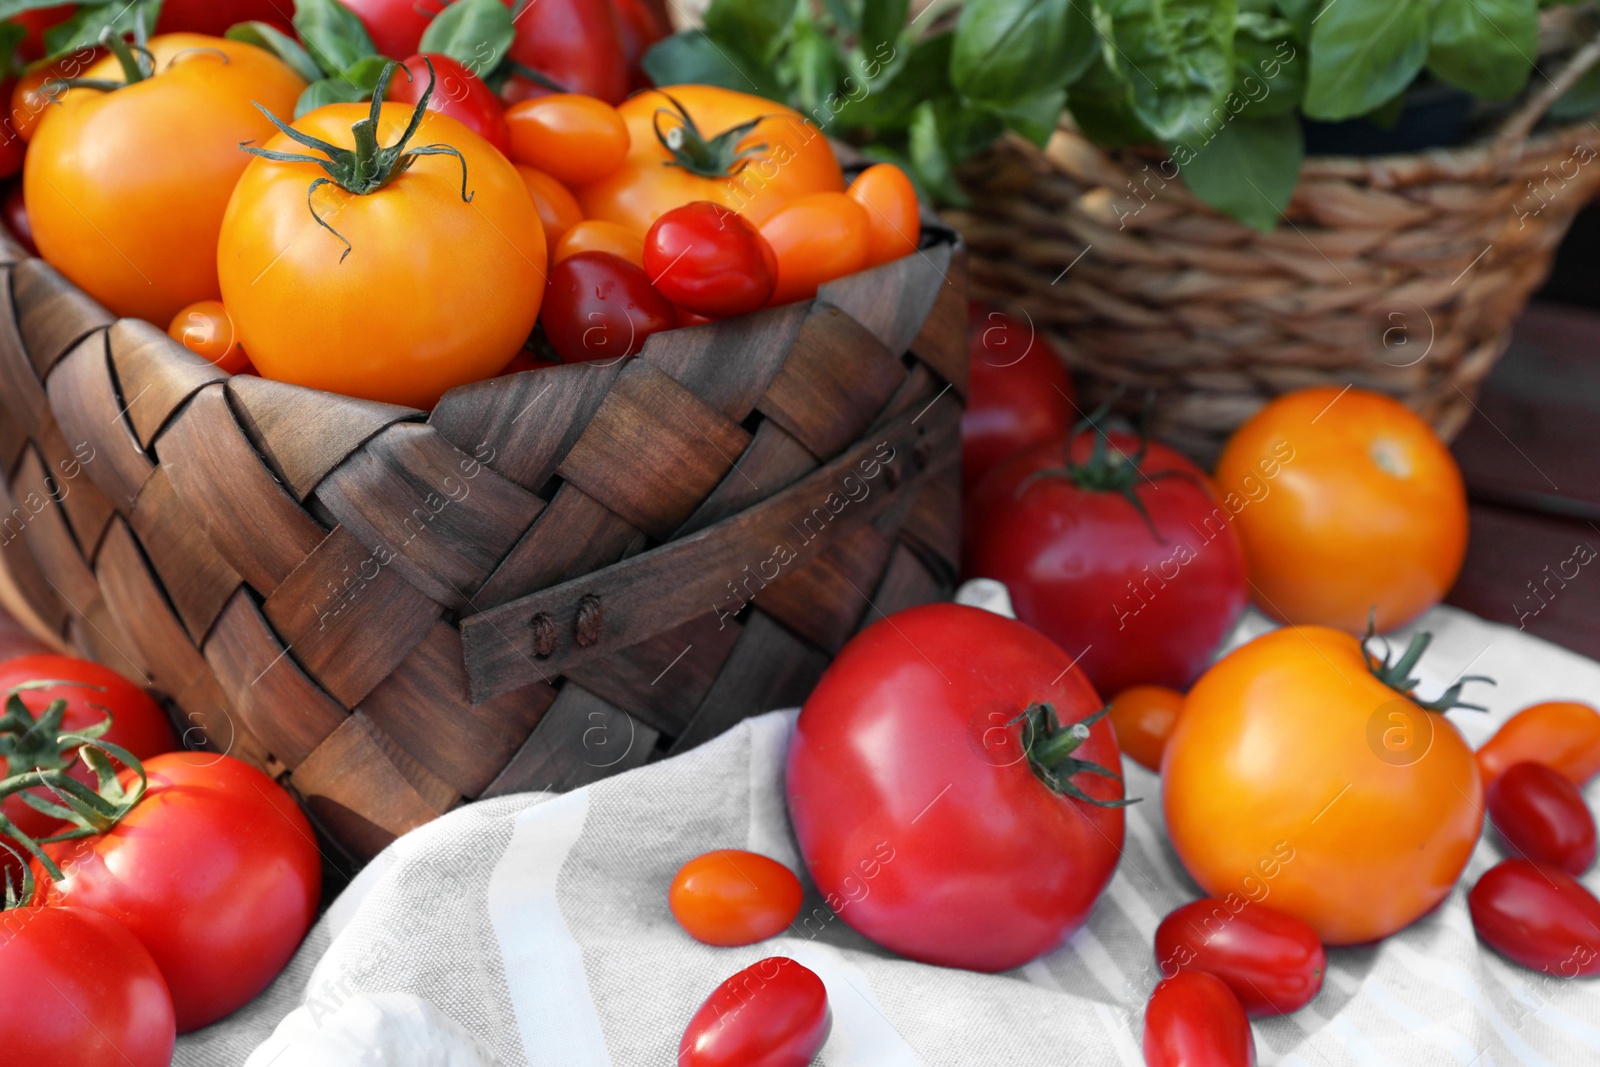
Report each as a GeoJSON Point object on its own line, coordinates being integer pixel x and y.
{"type": "Point", "coordinates": [1401, 274]}
{"type": "Point", "coordinates": [554, 576]}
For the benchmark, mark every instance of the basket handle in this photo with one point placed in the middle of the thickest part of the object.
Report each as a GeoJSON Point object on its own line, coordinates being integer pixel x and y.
{"type": "Point", "coordinates": [1513, 135]}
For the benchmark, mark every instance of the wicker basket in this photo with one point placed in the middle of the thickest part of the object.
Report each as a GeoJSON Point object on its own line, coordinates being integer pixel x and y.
{"type": "Point", "coordinates": [553, 577]}
{"type": "Point", "coordinates": [1401, 274]}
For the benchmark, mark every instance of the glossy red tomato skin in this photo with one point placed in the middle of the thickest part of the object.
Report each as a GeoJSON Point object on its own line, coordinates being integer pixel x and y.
{"type": "Point", "coordinates": [457, 92]}
{"type": "Point", "coordinates": [215, 16]}
{"type": "Point", "coordinates": [709, 260]}
{"type": "Point", "coordinates": [216, 872]}
{"type": "Point", "coordinates": [773, 1013]}
{"type": "Point", "coordinates": [916, 811]}
{"type": "Point", "coordinates": [1542, 816]}
{"type": "Point", "coordinates": [1018, 396]}
{"type": "Point", "coordinates": [1538, 915]}
{"type": "Point", "coordinates": [12, 147]}
{"type": "Point", "coordinates": [1272, 962]}
{"type": "Point", "coordinates": [396, 26]}
{"type": "Point", "coordinates": [574, 43]}
{"type": "Point", "coordinates": [639, 25]}
{"type": "Point", "coordinates": [95, 997]}
{"type": "Point", "coordinates": [1085, 568]}
{"type": "Point", "coordinates": [598, 306]}
{"type": "Point", "coordinates": [1194, 1020]}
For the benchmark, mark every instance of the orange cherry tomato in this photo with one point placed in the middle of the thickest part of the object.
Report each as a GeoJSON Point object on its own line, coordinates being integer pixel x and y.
{"type": "Point", "coordinates": [574, 139]}
{"type": "Point", "coordinates": [597, 235]}
{"type": "Point", "coordinates": [732, 897]}
{"type": "Point", "coordinates": [206, 329]}
{"type": "Point", "coordinates": [1142, 717]}
{"type": "Point", "coordinates": [1562, 734]}
{"type": "Point", "coordinates": [558, 208]}
{"type": "Point", "coordinates": [1346, 502]}
{"type": "Point", "coordinates": [30, 102]}
{"type": "Point", "coordinates": [817, 238]}
{"type": "Point", "coordinates": [894, 220]}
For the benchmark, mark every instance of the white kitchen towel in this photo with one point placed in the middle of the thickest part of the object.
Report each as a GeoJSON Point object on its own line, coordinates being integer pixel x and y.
{"type": "Point", "coordinates": [539, 924]}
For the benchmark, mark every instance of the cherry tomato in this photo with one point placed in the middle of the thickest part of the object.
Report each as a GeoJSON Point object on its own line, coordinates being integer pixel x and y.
{"type": "Point", "coordinates": [1018, 395]}
{"type": "Point", "coordinates": [1300, 776]}
{"type": "Point", "coordinates": [574, 139]}
{"type": "Point", "coordinates": [731, 897]}
{"type": "Point", "coordinates": [817, 238]}
{"type": "Point", "coordinates": [1142, 716]}
{"type": "Point", "coordinates": [894, 219]}
{"type": "Point", "coordinates": [1346, 502]}
{"type": "Point", "coordinates": [1563, 734]}
{"type": "Point", "coordinates": [574, 44]}
{"type": "Point", "coordinates": [1542, 817]}
{"type": "Point", "coordinates": [396, 26]}
{"type": "Point", "coordinates": [1271, 961]}
{"type": "Point", "coordinates": [600, 306]}
{"type": "Point", "coordinates": [771, 1014]}
{"type": "Point", "coordinates": [216, 16]}
{"type": "Point", "coordinates": [1117, 551]}
{"type": "Point", "coordinates": [215, 871]}
{"type": "Point", "coordinates": [1194, 1020]}
{"type": "Point", "coordinates": [457, 92]}
{"type": "Point", "coordinates": [15, 208]}
{"type": "Point", "coordinates": [205, 329]}
{"type": "Point", "coordinates": [597, 235]}
{"type": "Point", "coordinates": [558, 210]}
{"type": "Point", "coordinates": [1538, 915]}
{"type": "Point", "coordinates": [95, 997]}
{"type": "Point", "coordinates": [30, 95]}
{"type": "Point", "coordinates": [917, 806]}
{"type": "Point", "coordinates": [710, 261]}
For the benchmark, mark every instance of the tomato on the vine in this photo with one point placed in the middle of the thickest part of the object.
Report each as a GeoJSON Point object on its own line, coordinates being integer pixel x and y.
{"type": "Point", "coordinates": [894, 219]}
{"type": "Point", "coordinates": [1538, 915]}
{"type": "Point", "coordinates": [1018, 393]}
{"type": "Point", "coordinates": [1194, 1020]}
{"type": "Point", "coordinates": [731, 897]}
{"type": "Point", "coordinates": [574, 139]}
{"type": "Point", "coordinates": [709, 260]}
{"type": "Point", "coordinates": [206, 329]}
{"type": "Point", "coordinates": [773, 1013]}
{"type": "Point", "coordinates": [1142, 717]}
{"type": "Point", "coordinates": [1563, 734]}
{"type": "Point", "coordinates": [1271, 961]}
{"type": "Point", "coordinates": [595, 235]}
{"type": "Point", "coordinates": [457, 92]}
{"type": "Point", "coordinates": [1542, 816]}
{"type": "Point", "coordinates": [600, 306]}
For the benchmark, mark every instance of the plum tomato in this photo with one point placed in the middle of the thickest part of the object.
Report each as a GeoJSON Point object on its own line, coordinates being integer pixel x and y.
{"type": "Point", "coordinates": [395, 26]}
{"type": "Point", "coordinates": [1018, 393]}
{"type": "Point", "coordinates": [1271, 961]}
{"type": "Point", "coordinates": [206, 329]}
{"type": "Point", "coordinates": [773, 1013]}
{"type": "Point", "coordinates": [1142, 716]}
{"type": "Point", "coordinates": [1563, 734]}
{"type": "Point", "coordinates": [457, 92]}
{"type": "Point", "coordinates": [1542, 816]}
{"type": "Point", "coordinates": [894, 219]}
{"type": "Point", "coordinates": [600, 306]}
{"type": "Point", "coordinates": [816, 238]}
{"type": "Point", "coordinates": [1538, 915]}
{"type": "Point", "coordinates": [597, 235]}
{"type": "Point", "coordinates": [1194, 1020]}
{"type": "Point", "coordinates": [574, 139]}
{"type": "Point", "coordinates": [575, 44]}
{"type": "Point", "coordinates": [709, 260]}
{"type": "Point", "coordinates": [731, 897]}
{"type": "Point", "coordinates": [558, 208]}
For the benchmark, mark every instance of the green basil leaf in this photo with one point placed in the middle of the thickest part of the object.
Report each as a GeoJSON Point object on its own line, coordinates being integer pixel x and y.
{"type": "Point", "coordinates": [889, 101]}
{"type": "Point", "coordinates": [1034, 117]}
{"type": "Point", "coordinates": [332, 34]}
{"type": "Point", "coordinates": [1249, 170]}
{"type": "Point", "coordinates": [1486, 47]}
{"type": "Point", "coordinates": [11, 35]}
{"type": "Point", "coordinates": [86, 26]}
{"type": "Point", "coordinates": [756, 28]}
{"type": "Point", "coordinates": [1269, 67]}
{"type": "Point", "coordinates": [1363, 54]}
{"type": "Point", "coordinates": [846, 13]}
{"type": "Point", "coordinates": [1008, 50]}
{"type": "Point", "coordinates": [1101, 102]}
{"type": "Point", "coordinates": [1302, 14]}
{"type": "Point", "coordinates": [336, 90]}
{"type": "Point", "coordinates": [475, 33]}
{"type": "Point", "coordinates": [881, 23]}
{"type": "Point", "coordinates": [279, 44]}
{"type": "Point", "coordinates": [365, 72]}
{"type": "Point", "coordinates": [692, 58]}
{"type": "Point", "coordinates": [8, 8]}
{"type": "Point", "coordinates": [930, 161]}
{"type": "Point", "coordinates": [1177, 55]}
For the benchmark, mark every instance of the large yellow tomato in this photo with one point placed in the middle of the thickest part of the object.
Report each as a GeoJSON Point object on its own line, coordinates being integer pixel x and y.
{"type": "Point", "coordinates": [743, 152]}
{"type": "Point", "coordinates": [1299, 775]}
{"type": "Point", "coordinates": [126, 188]}
{"type": "Point", "coordinates": [389, 287]}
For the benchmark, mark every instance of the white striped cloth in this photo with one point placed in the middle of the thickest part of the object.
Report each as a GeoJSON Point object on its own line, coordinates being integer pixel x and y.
{"type": "Point", "coordinates": [540, 925]}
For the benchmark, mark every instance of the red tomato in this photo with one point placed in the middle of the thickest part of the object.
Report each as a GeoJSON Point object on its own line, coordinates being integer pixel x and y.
{"type": "Point", "coordinates": [15, 210]}
{"type": "Point", "coordinates": [1018, 395]}
{"type": "Point", "coordinates": [1540, 916]}
{"type": "Point", "coordinates": [771, 1014]}
{"type": "Point", "coordinates": [215, 16]}
{"type": "Point", "coordinates": [600, 306]}
{"type": "Point", "coordinates": [1542, 817]}
{"type": "Point", "coordinates": [12, 147]}
{"type": "Point", "coordinates": [215, 871]}
{"type": "Point", "coordinates": [1563, 734]}
{"type": "Point", "coordinates": [457, 92]}
{"type": "Point", "coordinates": [395, 26]}
{"type": "Point", "coordinates": [731, 897]}
{"type": "Point", "coordinates": [917, 788]}
{"type": "Point", "coordinates": [1142, 717]}
{"type": "Point", "coordinates": [817, 237]}
{"type": "Point", "coordinates": [95, 998]}
{"type": "Point", "coordinates": [35, 22]}
{"type": "Point", "coordinates": [639, 25]}
{"type": "Point", "coordinates": [894, 219]}
{"type": "Point", "coordinates": [709, 260]}
{"type": "Point", "coordinates": [574, 43]}
{"type": "Point", "coordinates": [206, 329]}
{"type": "Point", "coordinates": [1118, 551]}
{"type": "Point", "coordinates": [1194, 1020]}
{"type": "Point", "coordinates": [1271, 961]}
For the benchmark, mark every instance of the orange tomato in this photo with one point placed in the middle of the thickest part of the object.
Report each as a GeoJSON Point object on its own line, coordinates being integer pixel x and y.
{"type": "Point", "coordinates": [558, 208]}
{"type": "Point", "coordinates": [126, 190]}
{"type": "Point", "coordinates": [712, 160]}
{"type": "Point", "coordinates": [574, 139]}
{"type": "Point", "coordinates": [1346, 502]}
{"type": "Point", "coordinates": [205, 329]}
{"type": "Point", "coordinates": [894, 220]}
{"type": "Point", "coordinates": [1562, 734]}
{"type": "Point", "coordinates": [1142, 717]}
{"type": "Point", "coordinates": [731, 897]}
{"type": "Point", "coordinates": [816, 238]}
{"type": "Point", "coordinates": [594, 235]}
{"type": "Point", "coordinates": [30, 102]}
{"type": "Point", "coordinates": [1298, 777]}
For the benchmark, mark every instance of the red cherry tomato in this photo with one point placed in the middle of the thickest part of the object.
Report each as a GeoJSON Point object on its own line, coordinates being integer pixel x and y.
{"type": "Point", "coordinates": [731, 897]}
{"type": "Point", "coordinates": [1142, 718]}
{"type": "Point", "coordinates": [600, 306]}
{"type": "Point", "coordinates": [95, 997]}
{"type": "Point", "coordinates": [206, 329]}
{"type": "Point", "coordinates": [1563, 734]}
{"type": "Point", "coordinates": [395, 26]}
{"type": "Point", "coordinates": [457, 92]}
{"type": "Point", "coordinates": [1271, 961]}
{"type": "Point", "coordinates": [15, 210]}
{"type": "Point", "coordinates": [1019, 394]}
{"type": "Point", "coordinates": [573, 43]}
{"type": "Point", "coordinates": [894, 221]}
{"type": "Point", "coordinates": [771, 1014]}
{"type": "Point", "coordinates": [1145, 593]}
{"type": "Point", "coordinates": [1194, 1020]}
{"type": "Point", "coordinates": [1542, 817]}
{"type": "Point", "coordinates": [1538, 915]}
{"type": "Point", "coordinates": [215, 871]}
{"type": "Point", "coordinates": [709, 260]}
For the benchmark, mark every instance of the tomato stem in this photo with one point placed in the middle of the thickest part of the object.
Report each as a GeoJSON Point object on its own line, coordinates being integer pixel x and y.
{"type": "Point", "coordinates": [1050, 751]}
{"type": "Point", "coordinates": [705, 157]}
{"type": "Point", "coordinates": [1397, 675]}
